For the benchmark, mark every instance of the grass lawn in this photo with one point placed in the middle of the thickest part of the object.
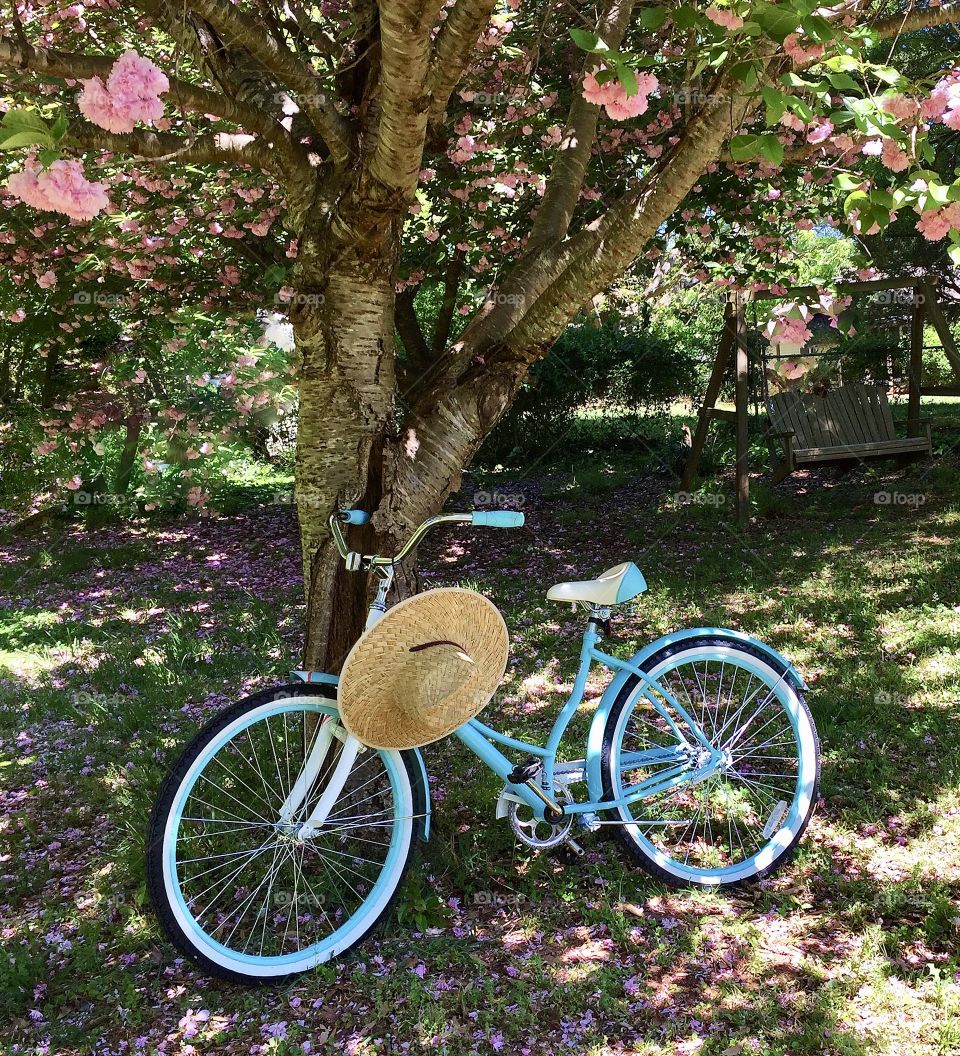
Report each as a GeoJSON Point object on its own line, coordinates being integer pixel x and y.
{"type": "Point", "coordinates": [116, 644]}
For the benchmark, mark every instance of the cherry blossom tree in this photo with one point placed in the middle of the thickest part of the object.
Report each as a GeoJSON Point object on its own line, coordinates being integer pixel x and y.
{"type": "Point", "coordinates": [514, 158]}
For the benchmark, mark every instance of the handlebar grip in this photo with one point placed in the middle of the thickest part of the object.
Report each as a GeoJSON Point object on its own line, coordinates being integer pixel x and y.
{"type": "Point", "coordinates": [498, 519]}
{"type": "Point", "coordinates": [354, 517]}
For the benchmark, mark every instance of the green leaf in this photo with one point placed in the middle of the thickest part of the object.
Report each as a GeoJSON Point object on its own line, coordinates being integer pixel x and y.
{"type": "Point", "coordinates": [859, 200]}
{"type": "Point", "coordinates": [887, 74]}
{"type": "Point", "coordinates": [776, 20]}
{"type": "Point", "coordinates": [48, 155]}
{"type": "Point", "coordinates": [819, 29]}
{"type": "Point", "coordinates": [846, 181]}
{"type": "Point", "coordinates": [745, 72]}
{"type": "Point", "coordinates": [842, 63]}
{"type": "Point", "coordinates": [10, 139]}
{"type": "Point", "coordinates": [628, 78]}
{"type": "Point", "coordinates": [23, 121]}
{"type": "Point", "coordinates": [587, 41]}
{"type": "Point", "coordinates": [744, 147]}
{"type": "Point", "coordinates": [771, 149]}
{"type": "Point", "coordinates": [653, 17]}
{"type": "Point", "coordinates": [775, 102]}
{"type": "Point", "coordinates": [842, 81]}
{"type": "Point", "coordinates": [684, 17]}
{"type": "Point", "coordinates": [60, 127]}
{"type": "Point", "coordinates": [954, 253]}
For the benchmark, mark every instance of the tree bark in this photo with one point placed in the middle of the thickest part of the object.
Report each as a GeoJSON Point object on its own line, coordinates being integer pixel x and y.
{"type": "Point", "coordinates": [129, 453]}
{"type": "Point", "coordinates": [344, 333]}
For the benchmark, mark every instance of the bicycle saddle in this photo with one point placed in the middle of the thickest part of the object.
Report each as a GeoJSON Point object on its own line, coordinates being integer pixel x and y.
{"type": "Point", "coordinates": [616, 585]}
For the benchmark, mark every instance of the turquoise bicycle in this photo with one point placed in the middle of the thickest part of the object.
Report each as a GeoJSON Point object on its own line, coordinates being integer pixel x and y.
{"type": "Point", "coordinates": [278, 841]}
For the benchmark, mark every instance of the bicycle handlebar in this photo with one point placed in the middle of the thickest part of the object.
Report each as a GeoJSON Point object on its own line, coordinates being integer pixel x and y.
{"type": "Point", "coordinates": [489, 519]}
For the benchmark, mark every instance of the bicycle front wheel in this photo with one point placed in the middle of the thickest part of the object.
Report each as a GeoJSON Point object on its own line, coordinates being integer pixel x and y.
{"type": "Point", "coordinates": [241, 882]}
{"type": "Point", "coordinates": [746, 818]}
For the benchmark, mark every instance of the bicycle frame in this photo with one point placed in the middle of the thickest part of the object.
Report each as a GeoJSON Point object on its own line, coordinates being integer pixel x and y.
{"type": "Point", "coordinates": [482, 740]}
{"type": "Point", "coordinates": [694, 758]}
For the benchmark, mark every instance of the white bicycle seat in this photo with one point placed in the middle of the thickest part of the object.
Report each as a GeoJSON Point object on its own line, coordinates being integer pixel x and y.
{"type": "Point", "coordinates": [616, 585]}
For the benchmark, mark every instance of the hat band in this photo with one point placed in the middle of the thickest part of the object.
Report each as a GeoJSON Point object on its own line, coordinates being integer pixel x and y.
{"type": "Point", "coordinates": [430, 645]}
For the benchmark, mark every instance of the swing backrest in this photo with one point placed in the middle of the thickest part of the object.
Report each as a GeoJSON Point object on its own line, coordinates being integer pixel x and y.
{"type": "Point", "coordinates": [851, 414]}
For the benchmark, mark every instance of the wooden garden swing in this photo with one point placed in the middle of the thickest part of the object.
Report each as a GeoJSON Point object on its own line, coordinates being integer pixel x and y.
{"type": "Point", "coordinates": [846, 425]}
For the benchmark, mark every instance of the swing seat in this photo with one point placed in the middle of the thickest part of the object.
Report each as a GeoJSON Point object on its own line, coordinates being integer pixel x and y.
{"type": "Point", "coordinates": [850, 424]}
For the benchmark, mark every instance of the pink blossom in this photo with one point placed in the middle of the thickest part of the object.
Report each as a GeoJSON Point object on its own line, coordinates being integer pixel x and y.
{"type": "Point", "coordinates": [18, 316]}
{"type": "Point", "coordinates": [131, 94]}
{"type": "Point", "coordinates": [598, 94]}
{"type": "Point", "coordinates": [900, 107]}
{"type": "Point", "coordinates": [799, 54]}
{"type": "Point", "coordinates": [195, 497]}
{"type": "Point", "coordinates": [47, 280]}
{"type": "Point", "coordinates": [934, 224]}
{"type": "Point", "coordinates": [724, 18]}
{"type": "Point", "coordinates": [894, 157]}
{"type": "Point", "coordinates": [873, 148]}
{"type": "Point", "coordinates": [820, 131]}
{"type": "Point", "coordinates": [61, 188]}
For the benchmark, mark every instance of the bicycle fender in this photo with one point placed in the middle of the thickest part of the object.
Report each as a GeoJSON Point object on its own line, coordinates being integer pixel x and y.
{"type": "Point", "coordinates": [597, 725]}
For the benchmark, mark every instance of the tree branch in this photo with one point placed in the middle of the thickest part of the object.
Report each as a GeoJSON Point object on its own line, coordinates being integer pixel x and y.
{"type": "Point", "coordinates": [918, 18]}
{"type": "Point", "coordinates": [404, 63]}
{"type": "Point", "coordinates": [410, 331]}
{"type": "Point", "coordinates": [453, 51]}
{"type": "Point", "coordinates": [303, 84]}
{"type": "Point", "coordinates": [62, 64]}
{"type": "Point", "coordinates": [569, 170]}
{"type": "Point", "coordinates": [210, 148]}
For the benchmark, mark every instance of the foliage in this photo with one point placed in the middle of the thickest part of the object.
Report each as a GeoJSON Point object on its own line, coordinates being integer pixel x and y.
{"type": "Point", "coordinates": [610, 365]}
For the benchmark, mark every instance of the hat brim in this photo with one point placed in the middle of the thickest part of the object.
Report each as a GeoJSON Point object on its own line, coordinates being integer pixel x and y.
{"type": "Point", "coordinates": [429, 665]}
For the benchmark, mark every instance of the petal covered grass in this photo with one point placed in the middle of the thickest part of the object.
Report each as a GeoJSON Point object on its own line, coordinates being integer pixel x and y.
{"type": "Point", "coordinates": [115, 644]}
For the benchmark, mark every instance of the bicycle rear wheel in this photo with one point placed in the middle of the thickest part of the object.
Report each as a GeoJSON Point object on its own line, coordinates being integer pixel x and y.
{"type": "Point", "coordinates": [745, 820]}
{"type": "Point", "coordinates": [239, 884]}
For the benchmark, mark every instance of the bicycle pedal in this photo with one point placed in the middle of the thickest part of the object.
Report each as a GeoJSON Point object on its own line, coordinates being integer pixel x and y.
{"type": "Point", "coordinates": [524, 771]}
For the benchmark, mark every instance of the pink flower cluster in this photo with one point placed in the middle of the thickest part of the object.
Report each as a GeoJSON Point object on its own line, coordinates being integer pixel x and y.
{"type": "Point", "coordinates": [935, 223]}
{"type": "Point", "coordinates": [725, 18]}
{"type": "Point", "coordinates": [788, 326]}
{"type": "Point", "coordinates": [798, 53]}
{"type": "Point", "coordinates": [62, 188]}
{"type": "Point", "coordinates": [944, 101]}
{"type": "Point", "coordinates": [612, 96]}
{"type": "Point", "coordinates": [131, 94]}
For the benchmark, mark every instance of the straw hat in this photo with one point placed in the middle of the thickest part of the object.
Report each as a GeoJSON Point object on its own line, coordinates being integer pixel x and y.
{"type": "Point", "coordinates": [431, 663]}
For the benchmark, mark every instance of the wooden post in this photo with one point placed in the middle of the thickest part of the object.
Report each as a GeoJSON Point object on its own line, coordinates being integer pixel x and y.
{"type": "Point", "coordinates": [741, 404]}
{"type": "Point", "coordinates": [916, 363]}
{"type": "Point", "coordinates": [936, 316]}
{"type": "Point", "coordinates": [709, 401]}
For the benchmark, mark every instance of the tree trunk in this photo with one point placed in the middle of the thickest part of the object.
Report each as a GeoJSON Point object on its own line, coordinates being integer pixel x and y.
{"type": "Point", "coordinates": [129, 454]}
{"type": "Point", "coordinates": [344, 333]}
